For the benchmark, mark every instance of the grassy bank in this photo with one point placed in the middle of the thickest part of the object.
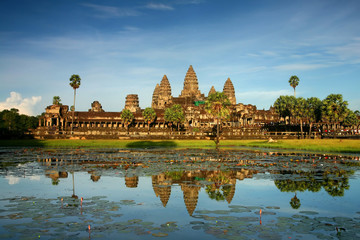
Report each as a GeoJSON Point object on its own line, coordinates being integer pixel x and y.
{"type": "Point", "coordinates": [317, 145]}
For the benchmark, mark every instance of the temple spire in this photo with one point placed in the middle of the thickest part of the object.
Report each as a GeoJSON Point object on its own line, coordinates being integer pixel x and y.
{"type": "Point", "coordinates": [229, 91]}
{"type": "Point", "coordinates": [191, 85]}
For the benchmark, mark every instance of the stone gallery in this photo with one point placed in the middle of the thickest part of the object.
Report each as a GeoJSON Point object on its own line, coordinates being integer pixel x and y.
{"type": "Point", "coordinates": [97, 123]}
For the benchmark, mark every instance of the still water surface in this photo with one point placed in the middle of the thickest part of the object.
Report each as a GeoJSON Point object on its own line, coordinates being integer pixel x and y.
{"type": "Point", "coordinates": [177, 194]}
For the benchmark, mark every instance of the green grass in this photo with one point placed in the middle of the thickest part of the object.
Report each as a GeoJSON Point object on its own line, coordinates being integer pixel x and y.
{"type": "Point", "coordinates": [317, 145]}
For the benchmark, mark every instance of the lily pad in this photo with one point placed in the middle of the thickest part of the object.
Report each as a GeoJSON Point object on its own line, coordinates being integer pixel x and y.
{"type": "Point", "coordinates": [160, 234]}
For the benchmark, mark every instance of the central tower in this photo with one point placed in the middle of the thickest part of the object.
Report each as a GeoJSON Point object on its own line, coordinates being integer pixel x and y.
{"type": "Point", "coordinates": [191, 85]}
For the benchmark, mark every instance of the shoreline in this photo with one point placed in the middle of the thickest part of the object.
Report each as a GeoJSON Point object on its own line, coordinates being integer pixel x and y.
{"type": "Point", "coordinates": [317, 145]}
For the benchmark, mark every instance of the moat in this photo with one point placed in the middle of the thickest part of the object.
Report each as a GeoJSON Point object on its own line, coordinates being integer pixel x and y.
{"type": "Point", "coordinates": [177, 193]}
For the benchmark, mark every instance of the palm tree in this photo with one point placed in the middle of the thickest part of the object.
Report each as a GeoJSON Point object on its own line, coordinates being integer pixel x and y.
{"type": "Point", "coordinates": [301, 112]}
{"type": "Point", "coordinates": [285, 107]}
{"type": "Point", "coordinates": [127, 118]}
{"type": "Point", "coordinates": [75, 81]}
{"type": "Point", "coordinates": [334, 109]}
{"type": "Point", "coordinates": [295, 202]}
{"type": "Point", "coordinates": [149, 115]}
{"type": "Point", "coordinates": [174, 115]}
{"type": "Point", "coordinates": [56, 100]}
{"type": "Point", "coordinates": [351, 120]}
{"type": "Point", "coordinates": [313, 106]}
{"type": "Point", "coordinates": [217, 104]}
{"type": "Point", "coordinates": [294, 81]}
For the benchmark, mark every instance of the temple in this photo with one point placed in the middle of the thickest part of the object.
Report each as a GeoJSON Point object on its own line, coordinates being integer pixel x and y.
{"type": "Point", "coordinates": [244, 120]}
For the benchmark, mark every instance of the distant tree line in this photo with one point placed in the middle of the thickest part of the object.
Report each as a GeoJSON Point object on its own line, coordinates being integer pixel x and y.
{"type": "Point", "coordinates": [15, 125]}
{"type": "Point", "coordinates": [331, 112]}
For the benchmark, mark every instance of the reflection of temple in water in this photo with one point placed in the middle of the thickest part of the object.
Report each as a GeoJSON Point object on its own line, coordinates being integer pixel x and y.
{"type": "Point", "coordinates": [162, 187]}
{"type": "Point", "coordinates": [192, 181]}
{"type": "Point", "coordinates": [131, 182]}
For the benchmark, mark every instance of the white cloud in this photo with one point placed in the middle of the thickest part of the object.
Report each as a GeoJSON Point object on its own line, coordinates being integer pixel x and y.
{"type": "Point", "coordinates": [348, 52]}
{"type": "Point", "coordinates": [159, 6]}
{"type": "Point", "coordinates": [25, 105]}
{"type": "Point", "coordinates": [299, 67]}
{"type": "Point", "coordinates": [110, 11]}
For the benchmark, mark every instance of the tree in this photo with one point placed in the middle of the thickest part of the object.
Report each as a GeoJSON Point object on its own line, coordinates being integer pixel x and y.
{"type": "Point", "coordinates": [174, 115]}
{"type": "Point", "coordinates": [295, 202]}
{"type": "Point", "coordinates": [127, 118]}
{"type": "Point", "coordinates": [334, 109]}
{"type": "Point", "coordinates": [285, 107]}
{"type": "Point", "coordinates": [294, 81]}
{"type": "Point", "coordinates": [351, 120]}
{"type": "Point", "coordinates": [75, 81]}
{"type": "Point", "coordinates": [56, 100]}
{"type": "Point", "coordinates": [217, 105]}
{"type": "Point", "coordinates": [149, 115]}
{"type": "Point", "coordinates": [301, 112]}
{"type": "Point", "coordinates": [313, 106]}
{"type": "Point", "coordinates": [15, 125]}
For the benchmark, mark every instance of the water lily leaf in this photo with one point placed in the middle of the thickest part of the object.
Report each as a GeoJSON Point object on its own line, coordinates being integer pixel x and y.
{"type": "Point", "coordinates": [160, 234]}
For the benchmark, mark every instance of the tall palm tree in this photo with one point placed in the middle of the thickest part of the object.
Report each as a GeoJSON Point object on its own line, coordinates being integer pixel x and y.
{"type": "Point", "coordinates": [294, 81]}
{"type": "Point", "coordinates": [217, 104]}
{"type": "Point", "coordinates": [75, 81]}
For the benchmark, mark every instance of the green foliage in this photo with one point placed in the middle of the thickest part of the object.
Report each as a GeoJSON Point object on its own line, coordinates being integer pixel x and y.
{"type": "Point", "coordinates": [174, 114]}
{"type": "Point", "coordinates": [334, 109]}
{"type": "Point", "coordinates": [351, 119]}
{"type": "Point", "coordinates": [300, 107]}
{"type": "Point", "coordinates": [149, 115]}
{"type": "Point", "coordinates": [217, 104]}
{"type": "Point", "coordinates": [285, 106]}
{"type": "Point", "coordinates": [56, 100]}
{"type": "Point", "coordinates": [313, 106]}
{"type": "Point", "coordinates": [294, 81]}
{"type": "Point", "coordinates": [75, 81]}
{"type": "Point", "coordinates": [127, 116]}
{"type": "Point", "coordinates": [15, 125]}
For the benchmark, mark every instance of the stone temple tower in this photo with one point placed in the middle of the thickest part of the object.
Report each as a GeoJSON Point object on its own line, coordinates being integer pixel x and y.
{"type": "Point", "coordinates": [155, 96]}
{"type": "Point", "coordinates": [191, 85]}
{"type": "Point", "coordinates": [229, 91]}
{"type": "Point", "coordinates": [162, 94]}
{"type": "Point", "coordinates": [132, 103]}
{"type": "Point", "coordinates": [212, 90]}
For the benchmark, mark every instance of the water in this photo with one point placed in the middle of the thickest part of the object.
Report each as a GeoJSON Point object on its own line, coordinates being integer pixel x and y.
{"type": "Point", "coordinates": [177, 194]}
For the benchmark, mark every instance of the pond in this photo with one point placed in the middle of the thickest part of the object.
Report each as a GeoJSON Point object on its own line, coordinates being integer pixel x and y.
{"type": "Point", "coordinates": [177, 194]}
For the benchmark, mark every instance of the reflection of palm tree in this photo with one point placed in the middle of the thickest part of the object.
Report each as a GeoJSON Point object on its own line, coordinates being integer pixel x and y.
{"type": "Point", "coordinates": [73, 181]}
{"type": "Point", "coordinates": [55, 181]}
{"type": "Point", "coordinates": [218, 193]}
{"type": "Point", "coordinates": [295, 202]}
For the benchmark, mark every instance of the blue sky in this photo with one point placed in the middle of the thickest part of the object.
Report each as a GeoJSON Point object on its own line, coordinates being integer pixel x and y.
{"type": "Point", "coordinates": [125, 47]}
